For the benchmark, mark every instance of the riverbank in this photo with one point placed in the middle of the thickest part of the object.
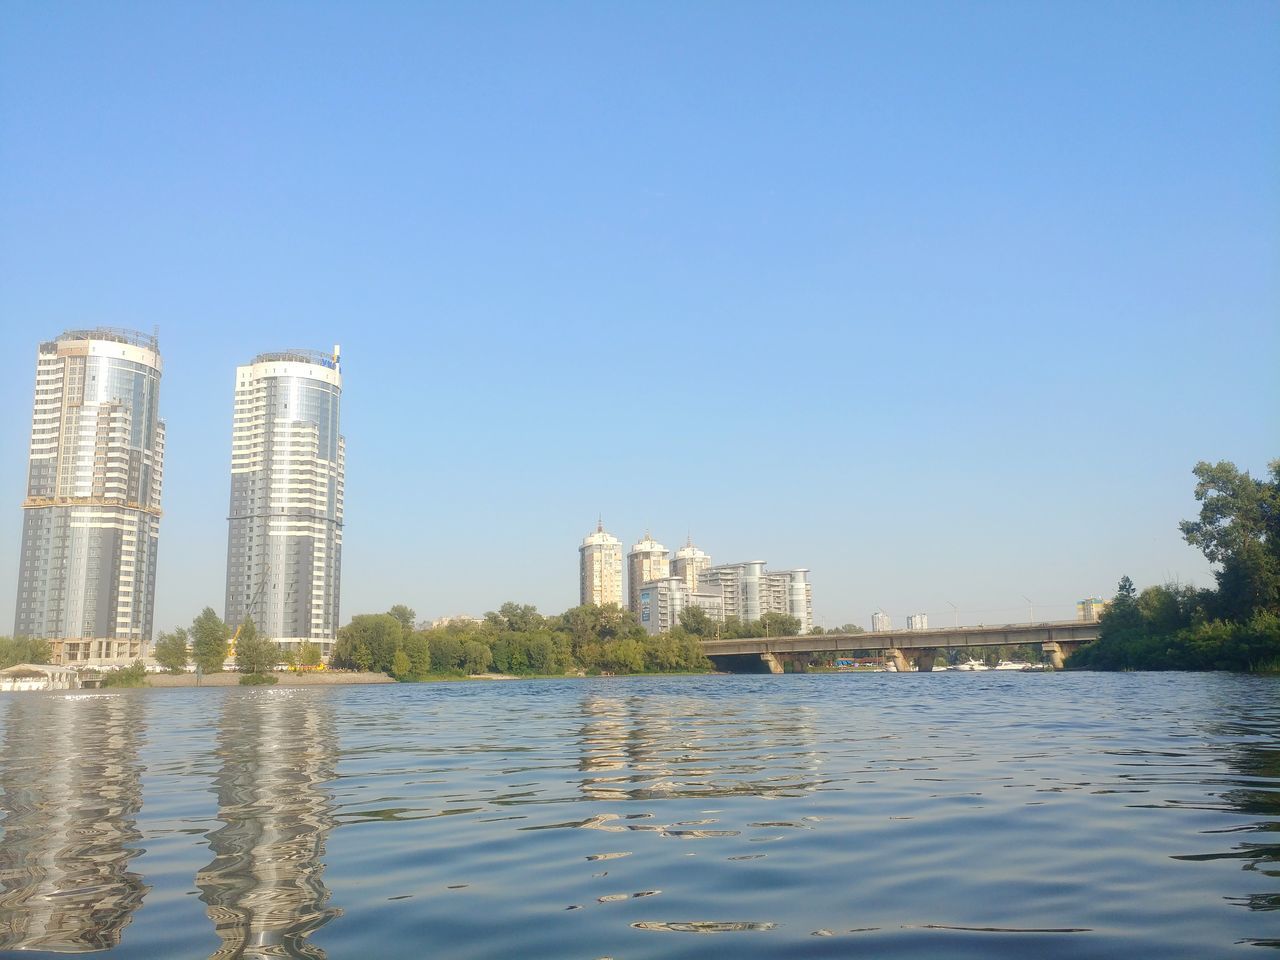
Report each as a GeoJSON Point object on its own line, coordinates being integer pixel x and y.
{"type": "Point", "coordinates": [318, 678]}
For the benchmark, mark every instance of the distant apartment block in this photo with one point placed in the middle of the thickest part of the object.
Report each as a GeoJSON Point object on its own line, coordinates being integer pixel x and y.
{"type": "Point", "coordinates": [662, 601]}
{"type": "Point", "coordinates": [918, 621]}
{"type": "Point", "coordinates": [600, 569]}
{"type": "Point", "coordinates": [288, 466]}
{"type": "Point", "coordinates": [689, 564]}
{"type": "Point", "coordinates": [647, 561]}
{"type": "Point", "coordinates": [1091, 609]}
{"type": "Point", "coordinates": [750, 591]}
{"type": "Point", "coordinates": [880, 622]}
{"type": "Point", "coordinates": [91, 517]}
{"type": "Point", "coordinates": [660, 587]}
{"type": "Point", "coordinates": [463, 619]}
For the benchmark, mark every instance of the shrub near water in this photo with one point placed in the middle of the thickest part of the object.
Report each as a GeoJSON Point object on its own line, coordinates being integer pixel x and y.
{"type": "Point", "coordinates": [134, 675]}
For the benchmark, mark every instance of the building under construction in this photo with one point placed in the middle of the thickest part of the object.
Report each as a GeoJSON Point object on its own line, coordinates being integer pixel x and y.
{"type": "Point", "coordinates": [91, 517]}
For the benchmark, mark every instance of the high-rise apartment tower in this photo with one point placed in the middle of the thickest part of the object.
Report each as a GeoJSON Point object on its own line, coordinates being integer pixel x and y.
{"type": "Point", "coordinates": [91, 523]}
{"type": "Point", "coordinates": [284, 544]}
{"type": "Point", "coordinates": [600, 569]}
{"type": "Point", "coordinates": [689, 563]}
{"type": "Point", "coordinates": [648, 560]}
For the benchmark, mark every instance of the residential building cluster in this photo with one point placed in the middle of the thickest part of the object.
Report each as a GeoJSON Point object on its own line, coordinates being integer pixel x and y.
{"type": "Point", "coordinates": [661, 586]}
{"type": "Point", "coordinates": [91, 517]}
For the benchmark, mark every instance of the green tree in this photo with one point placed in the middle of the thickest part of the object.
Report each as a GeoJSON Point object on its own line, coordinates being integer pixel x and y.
{"type": "Point", "coordinates": [516, 617]}
{"type": "Point", "coordinates": [209, 636]}
{"type": "Point", "coordinates": [625, 655]}
{"type": "Point", "coordinates": [418, 649]}
{"type": "Point", "coordinates": [308, 654]}
{"type": "Point", "coordinates": [542, 654]}
{"type": "Point", "coordinates": [401, 665]}
{"type": "Point", "coordinates": [1168, 608]}
{"type": "Point", "coordinates": [171, 650]}
{"type": "Point", "coordinates": [368, 642]}
{"type": "Point", "coordinates": [774, 624]}
{"type": "Point", "coordinates": [1235, 510]}
{"type": "Point", "coordinates": [697, 621]}
{"type": "Point", "coordinates": [254, 653]}
{"type": "Point", "coordinates": [134, 675]}
{"type": "Point", "coordinates": [406, 617]}
{"type": "Point", "coordinates": [446, 652]}
{"type": "Point", "coordinates": [476, 656]}
{"type": "Point", "coordinates": [594, 626]}
{"type": "Point", "coordinates": [14, 650]}
{"type": "Point", "coordinates": [1239, 529]}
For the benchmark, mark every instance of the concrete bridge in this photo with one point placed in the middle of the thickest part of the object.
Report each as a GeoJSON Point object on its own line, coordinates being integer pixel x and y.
{"type": "Point", "coordinates": [1058, 640]}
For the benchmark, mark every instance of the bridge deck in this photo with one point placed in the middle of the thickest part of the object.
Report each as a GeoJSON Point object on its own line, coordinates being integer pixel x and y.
{"type": "Point", "coordinates": [1009, 634]}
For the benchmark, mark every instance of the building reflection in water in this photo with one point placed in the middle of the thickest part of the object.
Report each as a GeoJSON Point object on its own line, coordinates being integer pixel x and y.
{"type": "Point", "coordinates": [72, 786]}
{"type": "Point", "coordinates": [264, 889]}
{"type": "Point", "coordinates": [635, 749]}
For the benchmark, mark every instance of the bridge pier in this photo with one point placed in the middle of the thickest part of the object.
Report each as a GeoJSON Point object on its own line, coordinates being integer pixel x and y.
{"type": "Point", "coordinates": [1058, 650]}
{"type": "Point", "coordinates": [920, 660]}
{"type": "Point", "coordinates": [772, 662]}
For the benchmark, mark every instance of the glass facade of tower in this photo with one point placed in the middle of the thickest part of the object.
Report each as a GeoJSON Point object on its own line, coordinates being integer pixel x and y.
{"type": "Point", "coordinates": [91, 523]}
{"type": "Point", "coordinates": [284, 545]}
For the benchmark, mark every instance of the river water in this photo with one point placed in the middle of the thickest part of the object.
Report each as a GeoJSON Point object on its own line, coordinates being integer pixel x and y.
{"type": "Point", "coordinates": [881, 815]}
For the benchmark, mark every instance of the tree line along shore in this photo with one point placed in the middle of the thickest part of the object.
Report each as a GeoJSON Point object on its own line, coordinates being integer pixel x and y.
{"type": "Point", "coordinates": [1233, 626]}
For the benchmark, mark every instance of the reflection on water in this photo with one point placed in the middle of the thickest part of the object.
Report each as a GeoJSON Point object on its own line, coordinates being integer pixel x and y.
{"type": "Point", "coordinates": [264, 889]}
{"type": "Point", "coordinates": [1046, 815]}
{"type": "Point", "coordinates": [71, 785]}
{"type": "Point", "coordinates": [638, 749]}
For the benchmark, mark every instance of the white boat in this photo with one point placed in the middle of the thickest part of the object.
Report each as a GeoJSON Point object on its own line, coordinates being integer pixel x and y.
{"type": "Point", "coordinates": [1013, 665]}
{"type": "Point", "coordinates": [969, 665]}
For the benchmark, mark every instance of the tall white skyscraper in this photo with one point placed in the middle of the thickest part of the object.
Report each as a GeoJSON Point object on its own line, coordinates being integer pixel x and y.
{"type": "Point", "coordinates": [600, 569]}
{"type": "Point", "coordinates": [880, 622]}
{"type": "Point", "coordinates": [91, 517]}
{"type": "Point", "coordinates": [288, 460]}
{"type": "Point", "coordinates": [648, 560]}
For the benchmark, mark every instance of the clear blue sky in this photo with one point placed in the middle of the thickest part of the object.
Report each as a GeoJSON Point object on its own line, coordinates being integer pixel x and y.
{"type": "Point", "coordinates": [942, 301]}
